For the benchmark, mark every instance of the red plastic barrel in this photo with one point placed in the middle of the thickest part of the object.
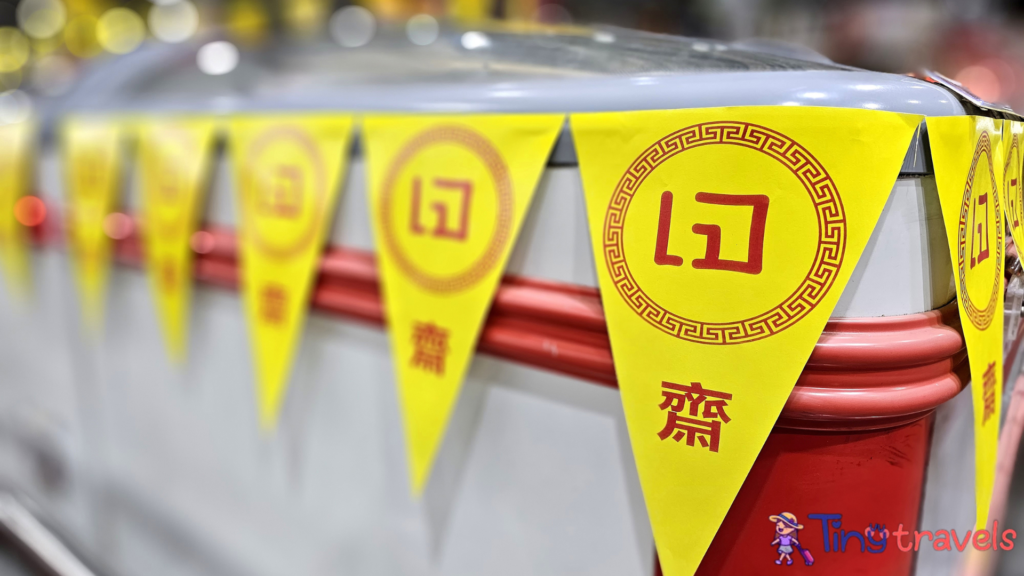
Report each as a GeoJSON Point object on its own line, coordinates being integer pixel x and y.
{"type": "Point", "coordinates": [851, 446]}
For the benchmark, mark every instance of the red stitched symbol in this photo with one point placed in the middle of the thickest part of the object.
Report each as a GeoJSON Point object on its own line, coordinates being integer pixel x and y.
{"type": "Point", "coordinates": [431, 347]}
{"type": "Point", "coordinates": [273, 299]}
{"type": "Point", "coordinates": [661, 255]}
{"type": "Point", "coordinates": [170, 181]}
{"type": "Point", "coordinates": [285, 190]}
{"type": "Point", "coordinates": [1013, 204]}
{"type": "Point", "coordinates": [821, 192]}
{"type": "Point", "coordinates": [1013, 193]}
{"type": "Point", "coordinates": [678, 426]}
{"type": "Point", "coordinates": [168, 276]}
{"type": "Point", "coordinates": [989, 392]}
{"type": "Point", "coordinates": [90, 171]}
{"type": "Point", "coordinates": [481, 147]}
{"type": "Point", "coordinates": [284, 197]}
{"type": "Point", "coordinates": [982, 230]}
{"type": "Point", "coordinates": [441, 230]}
{"type": "Point", "coordinates": [712, 254]}
{"type": "Point", "coordinates": [981, 318]}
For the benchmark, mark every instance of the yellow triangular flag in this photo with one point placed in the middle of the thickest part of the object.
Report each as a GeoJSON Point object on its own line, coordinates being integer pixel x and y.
{"type": "Point", "coordinates": [288, 170]}
{"type": "Point", "coordinates": [174, 159]}
{"type": "Point", "coordinates": [469, 10]}
{"type": "Point", "coordinates": [723, 238]}
{"type": "Point", "coordinates": [92, 164]}
{"type": "Point", "coordinates": [16, 152]}
{"type": "Point", "coordinates": [1013, 179]}
{"type": "Point", "coordinates": [447, 195]}
{"type": "Point", "coordinates": [968, 160]}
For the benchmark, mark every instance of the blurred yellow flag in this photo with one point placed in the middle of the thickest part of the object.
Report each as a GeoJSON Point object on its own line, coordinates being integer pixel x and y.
{"type": "Point", "coordinates": [16, 153]}
{"type": "Point", "coordinates": [1013, 185]}
{"type": "Point", "coordinates": [288, 170]}
{"type": "Point", "coordinates": [968, 159]}
{"type": "Point", "coordinates": [447, 195]}
{"type": "Point", "coordinates": [723, 239]}
{"type": "Point", "coordinates": [469, 10]}
{"type": "Point", "coordinates": [92, 166]}
{"type": "Point", "coordinates": [174, 159]}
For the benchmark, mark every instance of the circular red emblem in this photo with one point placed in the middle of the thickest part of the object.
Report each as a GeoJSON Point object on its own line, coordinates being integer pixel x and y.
{"type": "Point", "coordinates": [170, 184]}
{"type": "Point", "coordinates": [491, 256]}
{"type": "Point", "coordinates": [981, 318]}
{"type": "Point", "coordinates": [821, 191]}
{"type": "Point", "coordinates": [272, 247]}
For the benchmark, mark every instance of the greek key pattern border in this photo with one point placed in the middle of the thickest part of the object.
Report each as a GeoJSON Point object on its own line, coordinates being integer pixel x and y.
{"type": "Point", "coordinates": [980, 318]}
{"type": "Point", "coordinates": [820, 188]}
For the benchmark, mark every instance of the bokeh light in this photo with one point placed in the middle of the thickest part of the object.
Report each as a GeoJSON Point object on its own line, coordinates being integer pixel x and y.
{"type": "Point", "coordinates": [982, 81]}
{"type": "Point", "coordinates": [353, 26]}
{"type": "Point", "coordinates": [10, 80]}
{"type": "Point", "coordinates": [217, 58]}
{"type": "Point", "coordinates": [422, 29]}
{"type": "Point", "coordinates": [41, 18]}
{"type": "Point", "coordinates": [15, 106]}
{"type": "Point", "coordinates": [120, 30]}
{"type": "Point", "coordinates": [202, 242]}
{"type": "Point", "coordinates": [174, 22]}
{"type": "Point", "coordinates": [305, 18]}
{"type": "Point", "coordinates": [247, 21]}
{"type": "Point", "coordinates": [14, 49]}
{"type": "Point", "coordinates": [30, 211]}
{"type": "Point", "coordinates": [118, 226]}
{"type": "Point", "coordinates": [53, 75]}
{"type": "Point", "coordinates": [475, 40]}
{"type": "Point", "coordinates": [80, 36]}
{"type": "Point", "coordinates": [46, 46]}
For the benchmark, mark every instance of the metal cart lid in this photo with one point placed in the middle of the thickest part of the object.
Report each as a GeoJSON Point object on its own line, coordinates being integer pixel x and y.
{"type": "Point", "coordinates": [555, 70]}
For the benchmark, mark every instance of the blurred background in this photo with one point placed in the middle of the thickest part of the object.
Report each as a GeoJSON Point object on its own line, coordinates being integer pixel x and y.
{"type": "Point", "coordinates": [45, 43]}
{"type": "Point", "coordinates": [244, 492]}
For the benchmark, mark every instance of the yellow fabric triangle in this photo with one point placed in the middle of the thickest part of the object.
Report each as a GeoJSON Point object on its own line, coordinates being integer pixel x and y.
{"type": "Point", "coordinates": [967, 154]}
{"type": "Point", "coordinates": [723, 238]}
{"type": "Point", "coordinates": [288, 172]}
{"type": "Point", "coordinates": [92, 164]}
{"type": "Point", "coordinates": [16, 154]}
{"type": "Point", "coordinates": [469, 10]}
{"type": "Point", "coordinates": [448, 195]}
{"type": "Point", "coordinates": [174, 160]}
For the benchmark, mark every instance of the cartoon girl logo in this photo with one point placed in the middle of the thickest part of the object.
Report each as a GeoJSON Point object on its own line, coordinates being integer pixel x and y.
{"type": "Point", "coordinates": [787, 528]}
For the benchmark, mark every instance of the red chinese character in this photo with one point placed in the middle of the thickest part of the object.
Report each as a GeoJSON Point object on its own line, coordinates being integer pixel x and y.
{"type": "Point", "coordinates": [284, 197]}
{"type": "Point", "coordinates": [168, 276]}
{"type": "Point", "coordinates": [712, 259]}
{"type": "Point", "coordinates": [431, 347]}
{"type": "Point", "coordinates": [1013, 203]}
{"type": "Point", "coordinates": [273, 299]}
{"type": "Point", "coordinates": [91, 169]}
{"type": "Point", "coordinates": [707, 432]}
{"type": "Point", "coordinates": [708, 404]}
{"type": "Point", "coordinates": [988, 392]}
{"type": "Point", "coordinates": [441, 229]}
{"type": "Point", "coordinates": [982, 230]}
{"type": "Point", "coordinates": [170, 184]}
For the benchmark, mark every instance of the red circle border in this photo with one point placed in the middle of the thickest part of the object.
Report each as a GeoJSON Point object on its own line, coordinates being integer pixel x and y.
{"type": "Point", "coordinates": [288, 251]}
{"type": "Point", "coordinates": [482, 148]}
{"type": "Point", "coordinates": [980, 318]}
{"type": "Point", "coordinates": [821, 189]}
